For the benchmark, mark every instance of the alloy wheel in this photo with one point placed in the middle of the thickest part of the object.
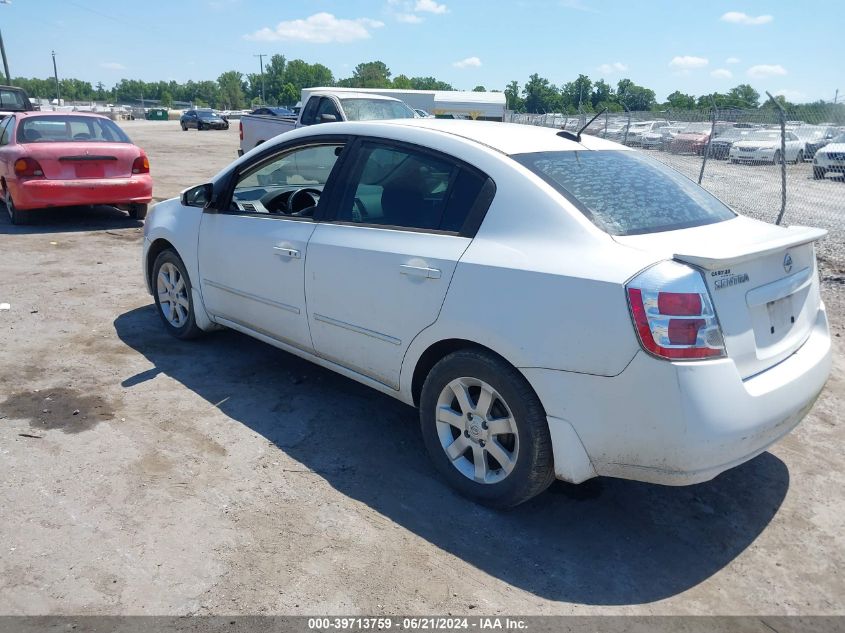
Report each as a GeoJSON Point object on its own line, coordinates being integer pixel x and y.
{"type": "Point", "coordinates": [172, 295]}
{"type": "Point", "coordinates": [477, 430]}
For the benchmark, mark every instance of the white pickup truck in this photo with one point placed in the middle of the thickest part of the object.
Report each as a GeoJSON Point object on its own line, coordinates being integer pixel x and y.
{"type": "Point", "coordinates": [322, 107]}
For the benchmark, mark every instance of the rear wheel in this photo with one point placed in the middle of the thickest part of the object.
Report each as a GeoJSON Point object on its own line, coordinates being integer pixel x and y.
{"type": "Point", "coordinates": [485, 429]}
{"type": "Point", "coordinates": [137, 211]}
{"type": "Point", "coordinates": [200, 126]}
{"type": "Point", "coordinates": [15, 215]}
{"type": "Point", "coordinates": [184, 127]}
{"type": "Point", "coordinates": [776, 158]}
{"type": "Point", "coordinates": [172, 291]}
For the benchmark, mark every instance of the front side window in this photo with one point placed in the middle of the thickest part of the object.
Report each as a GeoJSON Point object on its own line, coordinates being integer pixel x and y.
{"type": "Point", "coordinates": [269, 187]}
{"type": "Point", "coordinates": [328, 107]}
{"type": "Point", "coordinates": [401, 187]}
{"type": "Point", "coordinates": [626, 193]}
{"type": "Point", "coordinates": [68, 129]}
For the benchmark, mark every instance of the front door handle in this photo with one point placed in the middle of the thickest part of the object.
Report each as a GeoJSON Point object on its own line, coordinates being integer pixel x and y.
{"type": "Point", "coordinates": [419, 271]}
{"type": "Point", "coordinates": [284, 251]}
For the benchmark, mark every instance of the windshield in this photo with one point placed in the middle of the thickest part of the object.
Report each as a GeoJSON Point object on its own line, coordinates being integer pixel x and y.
{"type": "Point", "coordinates": [626, 193]}
{"type": "Point", "coordinates": [733, 134]}
{"type": "Point", "coordinates": [375, 109]}
{"type": "Point", "coordinates": [69, 128]}
{"type": "Point", "coordinates": [838, 139]}
{"type": "Point", "coordinates": [207, 114]}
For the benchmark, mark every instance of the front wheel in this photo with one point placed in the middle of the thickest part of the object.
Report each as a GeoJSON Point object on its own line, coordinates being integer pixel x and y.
{"type": "Point", "coordinates": [172, 289]}
{"type": "Point", "coordinates": [485, 429]}
{"type": "Point", "coordinates": [776, 158]}
{"type": "Point", "coordinates": [200, 126]}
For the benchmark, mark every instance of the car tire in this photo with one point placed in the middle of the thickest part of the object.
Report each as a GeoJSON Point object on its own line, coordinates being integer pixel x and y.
{"type": "Point", "coordinates": [515, 447]}
{"type": "Point", "coordinates": [818, 173]}
{"type": "Point", "coordinates": [172, 291]}
{"type": "Point", "coordinates": [776, 158]}
{"type": "Point", "coordinates": [799, 157]}
{"type": "Point", "coordinates": [184, 127]}
{"type": "Point", "coordinates": [137, 211]}
{"type": "Point", "coordinates": [200, 126]}
{"type": "Point", "coordinates": [16, 216]}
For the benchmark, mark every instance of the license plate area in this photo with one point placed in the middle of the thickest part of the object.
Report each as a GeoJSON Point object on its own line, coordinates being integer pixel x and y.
{"type": "Point", "coordinates": [781, 317]}
{"type": "Point", "coordinates": [89, 170]}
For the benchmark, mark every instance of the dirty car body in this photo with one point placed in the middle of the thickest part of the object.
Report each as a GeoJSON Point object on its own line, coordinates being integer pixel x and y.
{"type": "Point", "coordinates": [554, 308]}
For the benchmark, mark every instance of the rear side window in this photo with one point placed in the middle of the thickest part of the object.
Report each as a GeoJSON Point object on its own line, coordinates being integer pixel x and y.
{"type": "Point", "coordinates": [5, 126]}
{"type": "Point", "coordinates": [399, 187]}
{"type": "Point", "coordinates": [626, 193]}
{"type": "Point", "coordinates": [67, 129]}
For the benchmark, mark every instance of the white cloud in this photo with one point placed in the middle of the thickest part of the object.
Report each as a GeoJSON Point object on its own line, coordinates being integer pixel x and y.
{"type": "Point", "coordinates": [762, 71]}
{"type": "Point", "coordinates": [611, 69]}
{"type": "Point", "coordinates": [721, 73]}
{"type": "Point", "coordinates": [408, 18]}
{"type": "Point", "coordinates": [112, 66]}
{"type": "Point", "coordinates": [430, 6]}
{"type": "Point", "coordinates": [688, 62]}
{"type": "Point", "coordinates": [320, 28]}
{"type": "Point", "coordinates": [737, 17]}
{"type": "Point", "coordinates": [733, 60]}
{"type": "Point", "coordinates": [469, 62]}
{"type": "Point", "coordinates": [796, 96]}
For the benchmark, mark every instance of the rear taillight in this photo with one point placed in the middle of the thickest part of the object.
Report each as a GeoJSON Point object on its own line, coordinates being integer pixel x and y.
{"type": "Point", "coordinates": [673, 314]}
{"type": "Point", "coordinates": [241, 129]}
{"type": "Point", "coordinates": [28, 168]}
{"type": "Point", "coordinates": [141, 165]}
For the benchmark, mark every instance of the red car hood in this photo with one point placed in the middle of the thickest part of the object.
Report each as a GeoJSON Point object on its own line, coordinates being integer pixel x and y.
{"type": "Point", "coordinates": [692, 136]}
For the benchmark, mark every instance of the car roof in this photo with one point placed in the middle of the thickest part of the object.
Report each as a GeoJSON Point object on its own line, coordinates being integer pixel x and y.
{"type": "Point", "coordinates": [49, 113]}
{"type": "Point", "coordinates": [508, 138]}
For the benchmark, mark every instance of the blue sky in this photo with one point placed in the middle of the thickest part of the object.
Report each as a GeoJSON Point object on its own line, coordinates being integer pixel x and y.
{"type": "Point", "coordinates": [786, 47]}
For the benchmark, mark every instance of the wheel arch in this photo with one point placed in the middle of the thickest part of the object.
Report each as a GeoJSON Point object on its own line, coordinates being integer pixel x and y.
{"type": "Point", "coordinates": [436, 352]}
{"type": "Point", "coordinates": [158, 246]}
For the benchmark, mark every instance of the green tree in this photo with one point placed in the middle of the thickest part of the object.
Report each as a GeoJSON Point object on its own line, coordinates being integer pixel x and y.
{"type": "Point", "coordinates": [479, 89]}
{"type": "Point", "coordinates": [371, 75]}
{"type": "Point", "coordinates": [231, 90]}
{"type": "Point", "coordinates": [429, 83]}
{"type": "Point", "coordinates": [166, 100]}
{"type": "Point", "coordinates": [402, 82]}
{"type": "Point", "coordinates": [680, 101]}
{"type": "Point", "coordinates": [744, 96]}
{"type": "Point", "coordinates": [540, 96]}
{"type": "Point", "coordinates": [512, 99]}
{"type": "Point", "coordinates": [602, 94]}
{"type": "Point", "coordinates": [634, 97]}
{"type": "Point", "coordinates": [576, 95]}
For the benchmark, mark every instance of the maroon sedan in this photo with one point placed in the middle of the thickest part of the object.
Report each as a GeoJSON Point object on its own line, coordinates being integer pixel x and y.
{"type": "Point", "coordinates": [52, 159]}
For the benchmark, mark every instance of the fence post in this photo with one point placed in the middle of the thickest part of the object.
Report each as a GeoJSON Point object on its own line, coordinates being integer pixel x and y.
{"type": "Point", "coordinates": [709, 140]}
{"type": "Point", "coordinates": [627, 127]}
{"type": "Point", "coordinates": [782, 116]}
{"type": "Point", "coordinates": [605, 124]}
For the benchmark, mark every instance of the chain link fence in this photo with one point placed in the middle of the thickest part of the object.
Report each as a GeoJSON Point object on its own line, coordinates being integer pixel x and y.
{"type": "Point", "coordinates": [780, 165]}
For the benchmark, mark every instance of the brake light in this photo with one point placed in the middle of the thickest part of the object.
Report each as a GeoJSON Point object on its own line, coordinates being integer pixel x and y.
{"type": "Point", "coordinates": [673, 314]}
{"type": "Point", "coordinates": [141, 165]}
{"type": "Point", "coordinates": [27, 168]}
{"type": "Point", "coordinates": [241, 129]}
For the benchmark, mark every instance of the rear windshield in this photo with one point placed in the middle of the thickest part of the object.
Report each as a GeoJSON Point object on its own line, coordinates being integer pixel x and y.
{"type": "Point", "coordinates": [375, 109]}
{"type": "Point", "coordinates": [69, 128]}
{"type": "Point", "coordinates": [15, 100]}
{"type": "Point", "coordinates": [626, 193]}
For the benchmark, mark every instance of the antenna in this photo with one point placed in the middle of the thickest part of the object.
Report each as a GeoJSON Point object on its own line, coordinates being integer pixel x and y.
{"type": "Point", "coordinates": [577, 136]}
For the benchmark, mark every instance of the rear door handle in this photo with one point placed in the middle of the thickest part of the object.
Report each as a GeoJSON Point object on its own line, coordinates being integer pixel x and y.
{"type": "Point", "coordinates": [286, 252]}
{"type": "Point", "coordinates": [419, 271]}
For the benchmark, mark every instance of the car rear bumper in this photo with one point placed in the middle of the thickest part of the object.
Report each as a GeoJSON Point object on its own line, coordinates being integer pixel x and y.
{"type": "Point", "coordinates": [41, 192]}
{"type": "Point", "coordinates": [684, 423]}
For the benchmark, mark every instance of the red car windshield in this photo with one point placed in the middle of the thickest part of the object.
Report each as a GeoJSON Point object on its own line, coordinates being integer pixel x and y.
{"type": "Point", "coordinates": [69, 129]}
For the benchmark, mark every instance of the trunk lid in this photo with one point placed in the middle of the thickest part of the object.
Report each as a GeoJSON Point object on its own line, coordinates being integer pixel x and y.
{"type": "Point", "coordinates": [762, 279]}
{"type": "Point", "coordinates": [75, 160]}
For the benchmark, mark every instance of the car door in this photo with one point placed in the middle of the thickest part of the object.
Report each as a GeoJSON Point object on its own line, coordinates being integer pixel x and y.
{"type": "Point", "coordinates": [378, 271]}
{"type": "Point", "coordinates": [252, 254]}
{"type": "Point", "coordinates": [191, 119]}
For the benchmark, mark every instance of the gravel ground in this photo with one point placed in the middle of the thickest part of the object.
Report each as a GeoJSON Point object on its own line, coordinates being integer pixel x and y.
{"type": "Point", "coordinates": [142, 475]}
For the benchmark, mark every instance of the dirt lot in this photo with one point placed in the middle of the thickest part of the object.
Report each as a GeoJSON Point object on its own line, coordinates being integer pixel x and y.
{"type": "Point", "coordinates": [142, 475]}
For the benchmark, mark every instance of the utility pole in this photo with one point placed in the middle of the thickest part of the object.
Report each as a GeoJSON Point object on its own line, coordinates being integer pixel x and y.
{"type": "Point", "coordinates": [835, 96]}
{"type": "Point", "coordinates": [261, 57]}
{"type": "Point", "coordinates": [3, 50]}
{"type": "Point", "coordinates": [5, 63]}
{"type": "Point", "coordinates": [56, 76]}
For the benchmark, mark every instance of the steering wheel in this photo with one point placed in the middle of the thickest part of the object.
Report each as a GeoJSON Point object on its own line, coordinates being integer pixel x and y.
{"type": "Point", "coordinates": [274, 201]}
{"type": "Point", "coordinates": [359, 211]}
{"type": "Point", "coordinates": [307, 195]}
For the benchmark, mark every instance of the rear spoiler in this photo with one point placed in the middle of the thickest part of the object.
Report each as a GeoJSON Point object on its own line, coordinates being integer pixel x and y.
{"type": "Point", "coordinates": [717, 259]}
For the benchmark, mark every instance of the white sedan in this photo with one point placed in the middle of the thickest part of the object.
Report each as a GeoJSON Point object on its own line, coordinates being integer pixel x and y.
{"type": "Point", "coordinates": [554, 306]}
{"type": "Point", "coordinates": [764, 146]}
{"type": "Point", "coordinates": [830, 159]}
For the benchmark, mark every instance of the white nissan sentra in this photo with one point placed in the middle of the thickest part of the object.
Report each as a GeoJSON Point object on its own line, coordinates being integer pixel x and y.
{"type": "Point", "coordinates": [554, 308]}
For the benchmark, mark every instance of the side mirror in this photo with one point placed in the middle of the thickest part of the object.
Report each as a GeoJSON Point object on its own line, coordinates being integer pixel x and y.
{"type": "Point", "coordinates": [327, 118]}
{"type": "Point", "coordinates": [199, 196]}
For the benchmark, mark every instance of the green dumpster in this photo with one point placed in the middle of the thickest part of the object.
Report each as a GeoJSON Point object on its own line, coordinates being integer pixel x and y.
{"type": "Point", "coordinates": [156, 114]}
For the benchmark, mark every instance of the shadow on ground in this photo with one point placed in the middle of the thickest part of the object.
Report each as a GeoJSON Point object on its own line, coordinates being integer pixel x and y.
{"type": "Point", "coordinates": [69, 220]}
{"type": "Point", "coordinates": [605, 542]}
